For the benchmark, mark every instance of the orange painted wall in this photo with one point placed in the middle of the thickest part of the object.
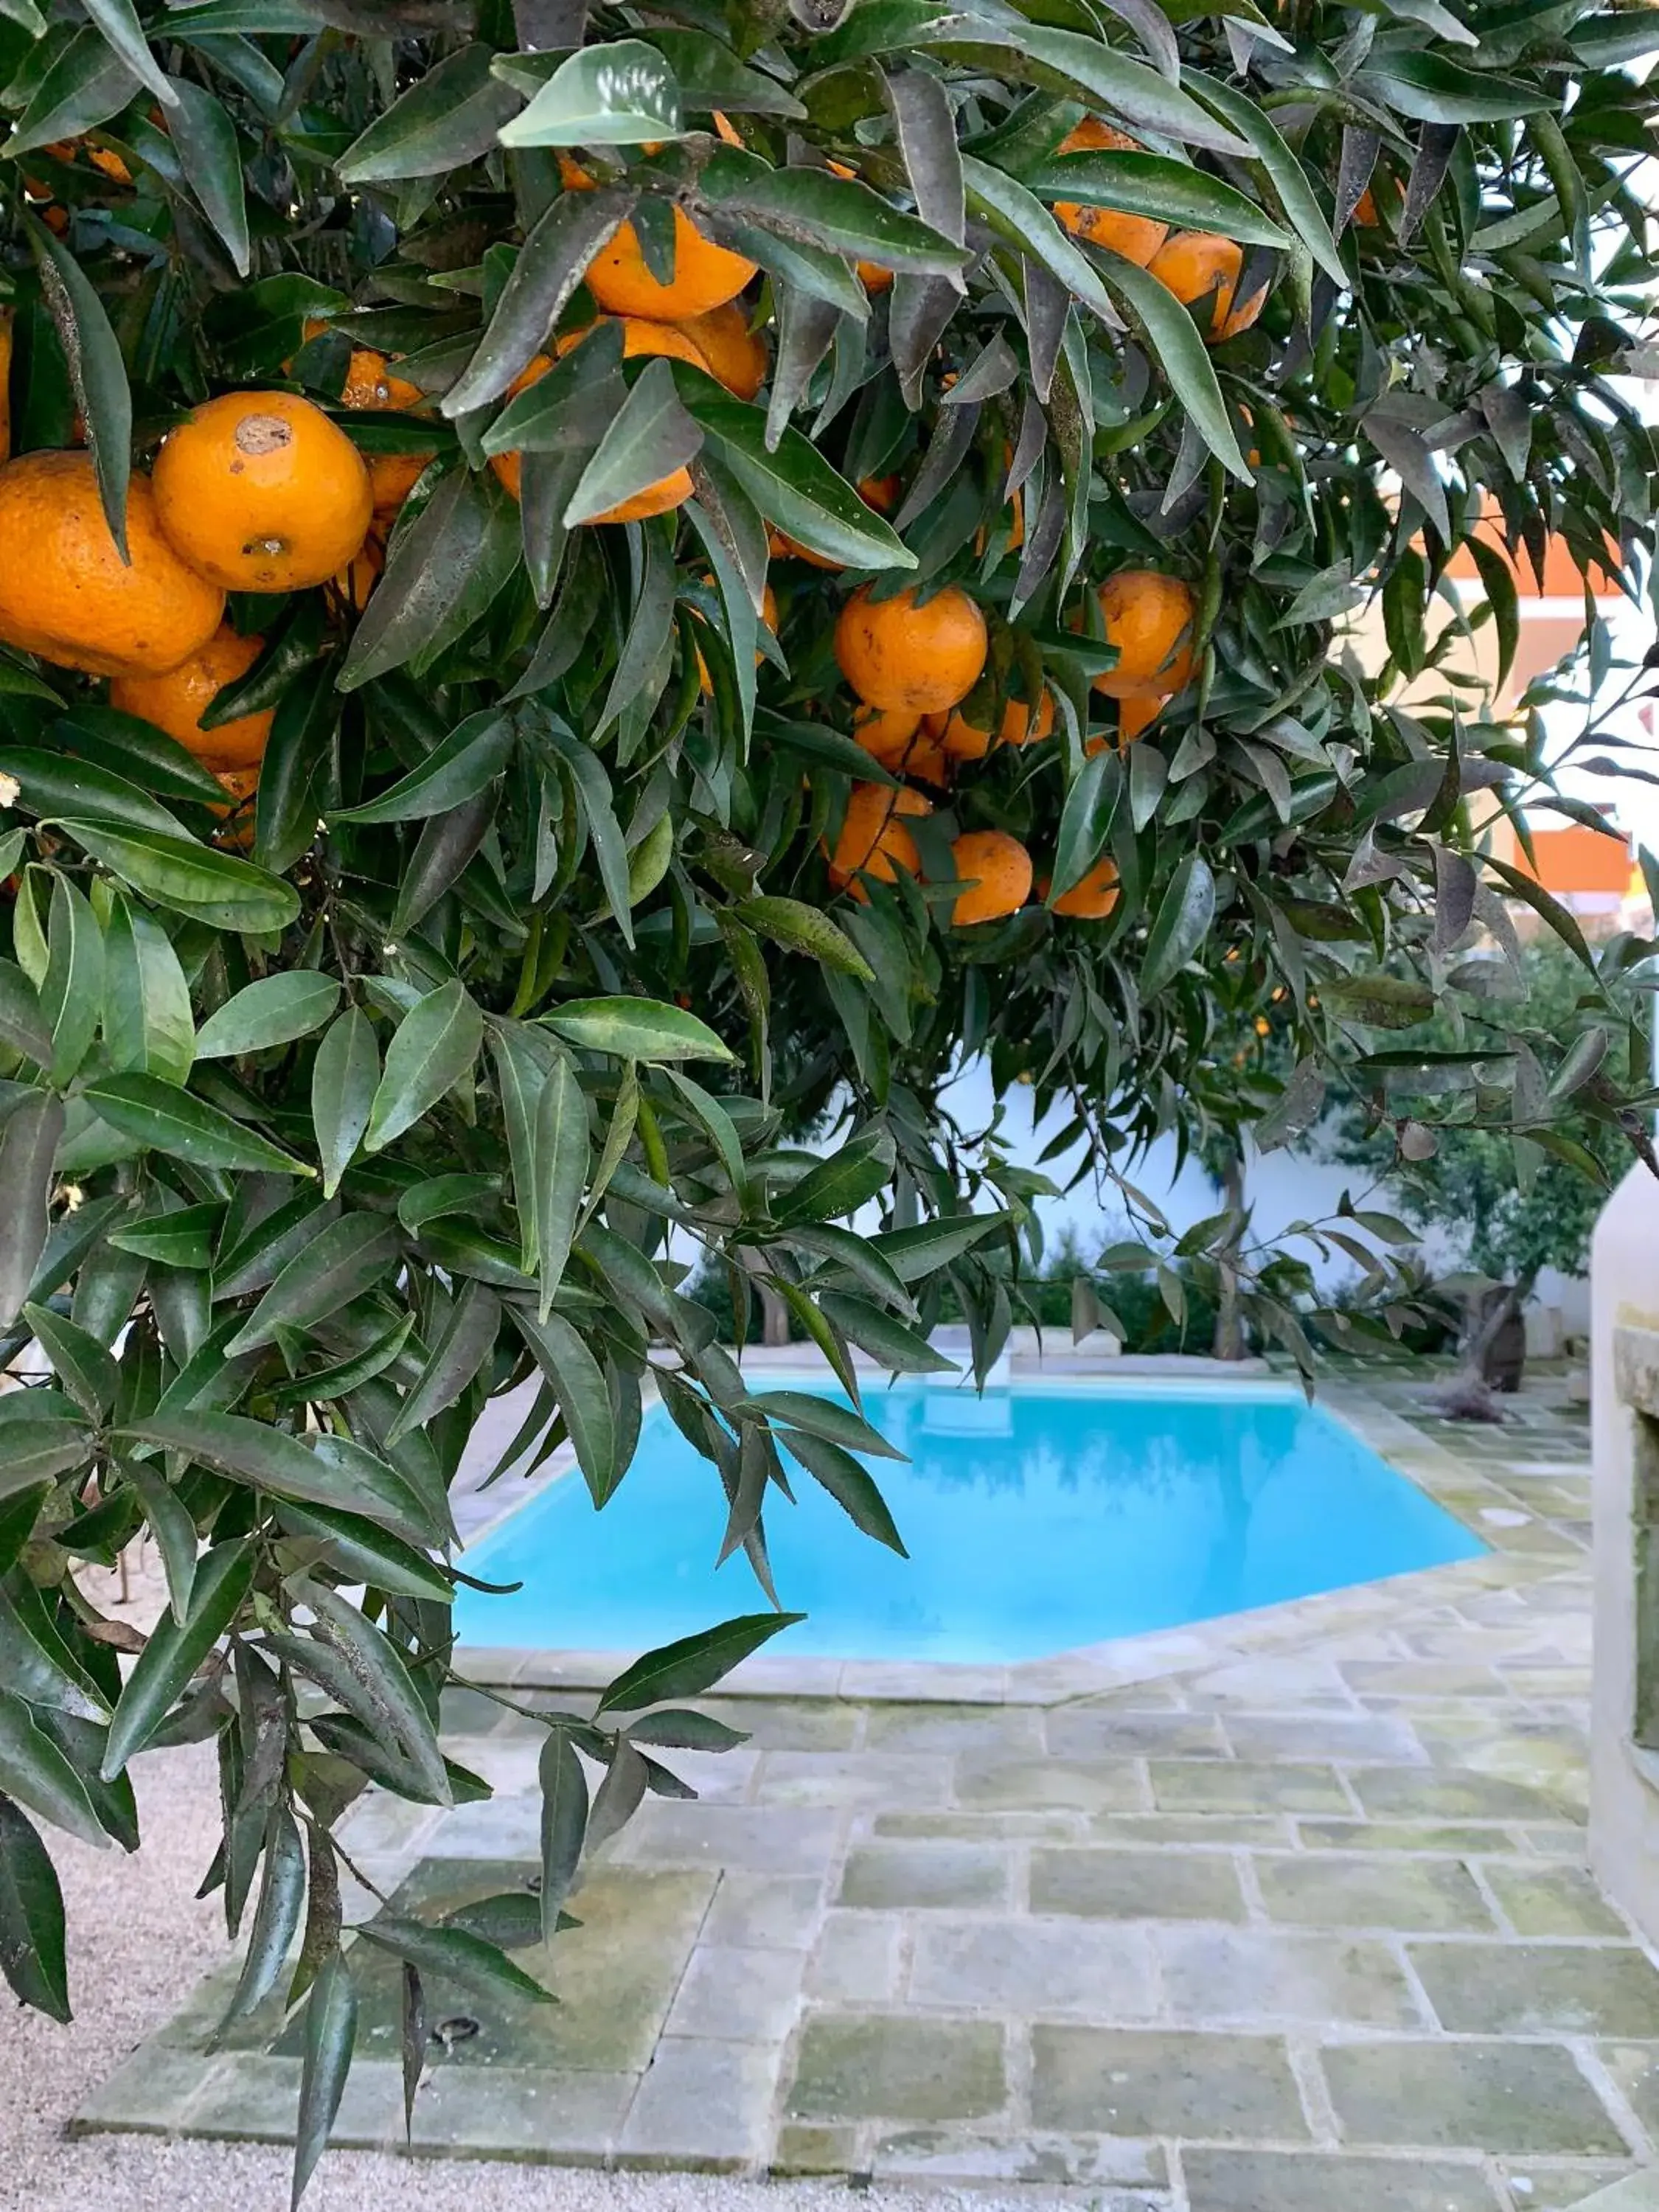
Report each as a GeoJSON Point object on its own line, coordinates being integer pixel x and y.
{"type": "Point", "coordinates": [1561, 578]}
{"type": "Point", "coordinates": [1574, 861]}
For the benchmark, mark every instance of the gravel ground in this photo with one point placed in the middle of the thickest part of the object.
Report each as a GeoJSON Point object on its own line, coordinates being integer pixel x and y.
{"type": "Point", "coordinates": [139, 1942]}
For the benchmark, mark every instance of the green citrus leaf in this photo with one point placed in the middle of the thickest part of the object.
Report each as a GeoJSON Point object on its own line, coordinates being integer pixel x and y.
{"type": "Point", "coordinates": [275, 1010]}
{"type": "Point", "coordinates": [620, 94]}
{"type": "Point", "coordinates": [636, 1029]}
{"type": "Point", "coordinates": [192, 879]}
{"type": "Point", "coordinates": [180, 1126]}
{"type": "Point", "coordinates": [435, 1045]}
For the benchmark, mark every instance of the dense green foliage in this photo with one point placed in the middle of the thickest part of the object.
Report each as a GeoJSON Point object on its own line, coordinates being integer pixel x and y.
{"type": "Point", "coordinates": [309, 1153]}
{"type": "Point", "coordinates": [1503, 1207]}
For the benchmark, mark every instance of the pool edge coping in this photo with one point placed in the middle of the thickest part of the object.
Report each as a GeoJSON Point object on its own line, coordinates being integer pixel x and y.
{"type": "Point", "coordinates": [1457, 1486]}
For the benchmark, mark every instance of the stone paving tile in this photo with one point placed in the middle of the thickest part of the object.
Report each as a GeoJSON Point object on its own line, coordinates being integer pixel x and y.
{"type": "Point", "coordinates": [1500, 2096]}
{"type": "Point", "coordinates": [615, 1976]}
{"type": "Point", "coordinates": [148, 2094]}
{"type": "Point", "coordinates": [1089, 1786]}
{"type": "Point", "coordinates": [1536, 2187]}
{"type": "Point", "coordinates": [1399, 1793]}
{"type": "Point", "coordinates": [1634, 2066]}
{"type": "Point", "coordinates": [765, 1912]}
{"type": "Point", "coordinates": [1212, 1830]}
{"type": "Point", "coordinates": [250, 2098]}
{"type": "Point", "coordinates": [1420, 1678]}
{"type": "Point", "coordinates": [522, 2111]}
{"type": "Point", "coordinates": [1084, 1732]}
{"type": "Point", "coordinates": [1556, 1839]}
{"type": "Point", "coordinates": [970, 2157]}
{"type": "Point", "coordinates": [1033, 1968]}
{"type": "Point", "coordinates": [1213, 1977]}
{"type": "Point", "coordinates": [743, 1995]}
{"type": "Point", "coordinates": [1554, 1900]}
{"type": "Point", "coordinates": [1274, 2181]}
{"type": "Point", "coordinates": [1411, 1895]}
{"type": "Point", "coordinates": [859, 1958]}
{"type": "Point", "coordinates": [862, 1778]}
{"type": "Point", "coordinates": [789, 1724]}
{"type": "Point", "coordinates": [758, 1839]}
{"type": "Point", "coordinates": [926, 1876]}
{"type": "Point", "coordinates": [893, 2066]}
{"type": "Point", "coordinates": [1056, 1825]}
{"type": "Point", "coordinates": [1244, 1786]}
{"type": "Point", "coordinates": [1397, 1836]}
{"type": "Point", "coordinates": [1297, 1682]}
{"type": "Point", "coordinates": [703, 2105]}
{"type": "Point", "coordinates": [1375, 1739]}
{"type": "Point", "coordinates": [1155, 2082]}
{"type": "Point", "coordinates": [1129, 1884]}
{"type": "Point", "coordinates": [804, 2148]}
{"type": "Point", "coordinates": [1538, 1989]}
{"type": "Point", "coordinates": [957, 1729]}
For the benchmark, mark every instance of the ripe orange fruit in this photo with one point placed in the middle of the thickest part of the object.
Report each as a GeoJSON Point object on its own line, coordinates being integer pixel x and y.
{"type": "Point", "coordinates": [1136, 717]}
{"type": "Point", "coordinates": [735, 354]}
{"type": "Point", "coordinates": [960, 738]}
{"type": "Point", "coordinates": [1093, 897]}
{"type": "Point", "coordinates": [1148, 617]}
{"type": "Point", "coordinates": [901, 652]}
{"type": "Point", "coordinates": [705, 275]}
{"type": "Point", "coordinates": [1021, 727]}
{"type": "Point", "coordinates": [1199, 265]}
{"type": "Point", "coordinates": [64, 590]}
{"type": "Point", "coordinates": [177, 701]}
{"type": "Point", "coordinates": [1018, 727]}
{"type": "Point", "coordinates": [240, 784]}
{"type": "Point", "coordinates": [996, 870]}
{"type": "Point", "coordinates": [370, 383]}
{"type": "Point", "coordinates": [1136, 237]}
{"type": "Point", "coordinates": [924, 758]}
{"type": "Point", "coordinates": [357, 579]}
{"type": "Point", "coordinates": [110, 164]}
{"type": "Point", "coordinates": [261, 492]}
{"type": "Point", "coordinates": [391, 477]}
{"type": "Point", "coordinates": [884, 732]}
{"type": "Point", "coordinates": [639, 337]}
{"type": "Point", "coordinates": [873, 839]}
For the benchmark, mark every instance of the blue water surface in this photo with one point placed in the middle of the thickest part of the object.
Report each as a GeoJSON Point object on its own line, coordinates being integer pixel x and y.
{"type": "Point", "coordinates": [1036, 1520]}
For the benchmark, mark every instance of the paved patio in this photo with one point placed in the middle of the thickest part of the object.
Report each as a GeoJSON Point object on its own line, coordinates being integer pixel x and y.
{"type": "Point", "coordinates": [1296, 1918]}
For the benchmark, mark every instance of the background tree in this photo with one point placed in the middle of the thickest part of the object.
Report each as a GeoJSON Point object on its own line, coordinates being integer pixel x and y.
{"type": "Point", "coordinates": [495, 361]}
{"type": "Point", "coordinates": [1506, 1205]}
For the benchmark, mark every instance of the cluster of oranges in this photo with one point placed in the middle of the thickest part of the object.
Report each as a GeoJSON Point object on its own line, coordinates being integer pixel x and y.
{"type": "Point", "coordinates": [1198, 266]}
{"type": "Point", "coordinates": [913, 663]}
{"type": "Point", "coordinates": [690, 318]}
{"type": "Point", "coordinates": [258, 492]}
{"type": "Point", "coordinates": [264, 492]}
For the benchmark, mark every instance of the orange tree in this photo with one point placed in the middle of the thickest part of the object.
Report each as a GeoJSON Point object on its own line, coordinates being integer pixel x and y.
{"type": "Point", "coordinates": [580, 589]}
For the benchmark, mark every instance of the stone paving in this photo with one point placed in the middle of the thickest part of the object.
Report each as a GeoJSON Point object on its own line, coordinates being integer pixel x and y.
{"type": "Point", "coordinates": [1304, 1925]}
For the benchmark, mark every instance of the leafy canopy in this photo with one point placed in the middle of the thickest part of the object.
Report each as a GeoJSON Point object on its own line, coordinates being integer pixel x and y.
{"type": "Point", "coordinates": [322, 1128]}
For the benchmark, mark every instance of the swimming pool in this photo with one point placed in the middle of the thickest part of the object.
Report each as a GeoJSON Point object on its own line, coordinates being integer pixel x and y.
{"type": "Point", "coordinates": [1039, 1518]}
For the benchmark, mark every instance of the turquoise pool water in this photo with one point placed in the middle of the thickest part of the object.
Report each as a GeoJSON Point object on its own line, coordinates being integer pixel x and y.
{"type": "Point", "coordinates": [1037, 1519]}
